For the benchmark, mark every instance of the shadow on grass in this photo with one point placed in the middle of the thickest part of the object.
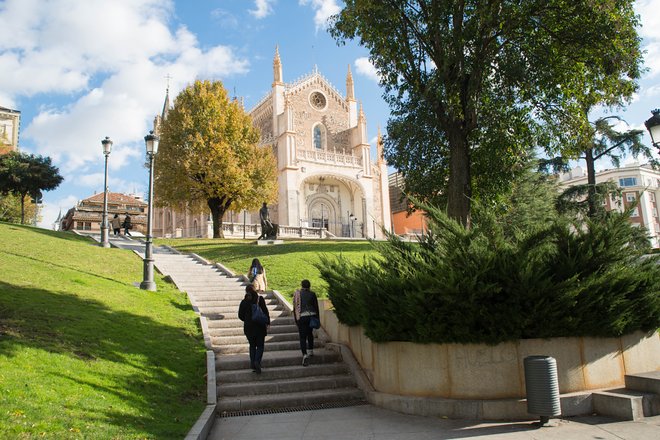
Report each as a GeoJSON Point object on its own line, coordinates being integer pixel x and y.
{"type": "Point", "coordinates": [69, 236]}
{"type": "Point", "coordinates": [220, 251]}
{"type": "Point", "coordinates": [67, 267]}
{"type": "Point", "coordinates": [168, 362]}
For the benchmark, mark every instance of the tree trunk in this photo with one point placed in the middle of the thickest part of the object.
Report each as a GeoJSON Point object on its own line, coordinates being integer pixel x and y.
{"type": "Point", "coordinates": [591, 181]}
{"type": "Point", "coordinates": [217, 212]}
{"type": "Point", "coordinates": [459, 188]}
{"type": "Point", "coordinates": [22, 209]}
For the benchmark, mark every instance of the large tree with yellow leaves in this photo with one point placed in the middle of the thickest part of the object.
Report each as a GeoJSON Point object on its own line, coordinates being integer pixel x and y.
{"type": "Point", "coordinates": [209, 157]}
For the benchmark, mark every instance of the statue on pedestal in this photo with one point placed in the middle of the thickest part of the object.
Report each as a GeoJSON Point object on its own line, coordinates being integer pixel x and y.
{"type": "Point", "coordinates": [268, 230]}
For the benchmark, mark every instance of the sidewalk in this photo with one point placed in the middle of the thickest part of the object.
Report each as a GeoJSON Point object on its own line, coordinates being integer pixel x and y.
{"type": "Point", "coordinates": [373, 423]}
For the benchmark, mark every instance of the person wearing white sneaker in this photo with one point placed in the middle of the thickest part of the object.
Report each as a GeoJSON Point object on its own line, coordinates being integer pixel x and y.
{"type": "Point", "coordinates": [305, 306]}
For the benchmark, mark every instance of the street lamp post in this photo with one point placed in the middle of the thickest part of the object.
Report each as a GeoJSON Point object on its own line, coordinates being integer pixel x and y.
{"type": "Point", "coordinates": [151, 142]}
{"type": "Point", "coordinates": [107, 147]}
{"type": "Point", "coordinates": [351, 225]}
{"type": "Point", "coordinates": [653, 126]}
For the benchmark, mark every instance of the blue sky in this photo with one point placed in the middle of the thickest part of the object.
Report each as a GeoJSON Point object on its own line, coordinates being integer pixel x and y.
{"type": "Point", "coordinates": [80, 70]}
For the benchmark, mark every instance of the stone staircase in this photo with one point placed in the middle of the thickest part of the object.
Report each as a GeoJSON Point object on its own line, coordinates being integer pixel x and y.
{"type": "Point", "coordinates": [284, 382]}
{"type": "Point", "coordinates": [640, 398]}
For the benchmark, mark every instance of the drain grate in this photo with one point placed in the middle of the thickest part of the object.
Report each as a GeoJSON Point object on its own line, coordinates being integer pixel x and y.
{"type": "Point", "coordinates": [257, 412]}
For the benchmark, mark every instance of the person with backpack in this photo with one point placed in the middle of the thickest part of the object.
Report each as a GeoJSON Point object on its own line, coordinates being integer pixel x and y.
{"type": "Point", "coordinates": [306, 315]}
{"type": "Point", "coordinates": [257, 276]}
{"type": "Point", "coordinates": [128, 225]}
{"type": "Point", "coordinates": [256, 319]}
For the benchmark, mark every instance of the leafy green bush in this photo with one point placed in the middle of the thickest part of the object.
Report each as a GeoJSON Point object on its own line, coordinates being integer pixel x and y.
{"type": "Point", "coordinates": [556, 278]}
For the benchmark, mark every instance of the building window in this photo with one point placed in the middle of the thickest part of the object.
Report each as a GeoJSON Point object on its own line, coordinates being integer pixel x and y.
{"type": "Point", "coordinates": [655, 212]}
{"type": "Point", "coordinates": [80, 226]}
{"type": "Point", "coordinates": [628, 181]}
{"type": "Point", "coordinates": [631, 197]}
{"type": "Point", "coordinates": [634, 213]}
{"type": "Point", "coordinates": [652, 197]}
{"type": "Point", "coordinates": [318, 137]}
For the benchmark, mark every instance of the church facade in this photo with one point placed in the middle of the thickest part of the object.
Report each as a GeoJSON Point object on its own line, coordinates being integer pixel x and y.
{"type": "Point", "coordinates": [327, 178]}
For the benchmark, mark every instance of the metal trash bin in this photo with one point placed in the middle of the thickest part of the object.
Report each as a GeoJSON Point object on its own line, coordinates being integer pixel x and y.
{"type": "Point", "coordinates": [542, 387]}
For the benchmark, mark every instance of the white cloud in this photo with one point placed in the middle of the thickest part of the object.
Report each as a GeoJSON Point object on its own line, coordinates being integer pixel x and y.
{"type": "Point", "coordinates": [109, 59]}
{"type": "Point", "coordinates": [650, 32]}
{"type": "Point", "coordinates": [263, 8]}
{"type": "Point", "coordinates": [50, 211]}
{"type": "Point", "coordinates": [324, 10]}
{"type": "Point", "coordinates": [652, 91]}
{"type": "Point", "coordinates": [364, 67]}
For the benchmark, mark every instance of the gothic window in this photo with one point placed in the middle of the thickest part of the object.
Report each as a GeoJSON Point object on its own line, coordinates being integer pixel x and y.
{"type": "Point", "coordinates": [318, 137]}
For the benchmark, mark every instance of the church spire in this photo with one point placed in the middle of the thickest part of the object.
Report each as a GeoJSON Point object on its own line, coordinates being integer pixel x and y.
{"type": "Point", "coordinates": [350, 90]}
{"type": "Point", "coordinates": [166, 104]}
{"type": "Point", "coordinates": [379, 148]}
{"type": "Point", "coordinates": [277, 67]}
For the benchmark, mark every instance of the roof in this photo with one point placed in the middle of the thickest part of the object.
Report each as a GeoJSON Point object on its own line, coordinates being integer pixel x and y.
{"type": "Point", "coordinates": [119, 198]}
{"type": "Point", "coordinates": [9, 110]}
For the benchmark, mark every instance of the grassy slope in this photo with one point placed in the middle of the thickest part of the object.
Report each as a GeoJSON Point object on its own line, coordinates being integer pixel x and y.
{"type": "Point", "coordinates": [286, 264]}
{"type": "Point", "coordinates": [85, 354]}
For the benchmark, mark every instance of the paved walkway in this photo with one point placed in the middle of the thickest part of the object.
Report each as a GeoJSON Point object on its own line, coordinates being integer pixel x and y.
{"type": "Point", "coordinates": [373, 423]}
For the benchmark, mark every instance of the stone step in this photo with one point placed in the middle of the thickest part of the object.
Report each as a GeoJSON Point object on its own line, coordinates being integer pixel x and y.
{"type": "Point", "coordinates": [625, 404]}
{"type": "Point", "coordinates": [230, 302]}
{"type": "Point", "coordinates": [216, 321]}
{"type": "Point", "coordinates": [238, 331]}
{"type": "Point", "coordinates": [268, 346]}
{"type": "Point", "coordinates": [290, 400]}
{"type": "Point", "coordinates": [284, 372]}
{"type": "Point", "coordinates": [240, 339]}
{"type": "Point", "coordinates": [289, 385]}
{"type": "Point", "coordinates": [275, 359]}
{"type": "Point", "coordinates": [645, 382]}
{"type": "Point", "coordinates": [273, 310]}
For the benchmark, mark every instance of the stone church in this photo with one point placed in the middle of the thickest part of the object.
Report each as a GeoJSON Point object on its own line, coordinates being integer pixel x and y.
{"type": "Point", "coordinates": [327, 178]}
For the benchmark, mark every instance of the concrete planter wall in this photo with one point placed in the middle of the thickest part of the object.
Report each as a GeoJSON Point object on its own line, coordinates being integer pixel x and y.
{"type": "Point", "coordinates": [479, 371]}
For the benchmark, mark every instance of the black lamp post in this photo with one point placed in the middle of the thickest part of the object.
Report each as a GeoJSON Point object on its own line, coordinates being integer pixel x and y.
{"type": "Point", "coordinates": [151, 142]}
{"type": "Point", "coordinates": [107, 147]}
{"type": "Point", "coordinates": [653, 126]}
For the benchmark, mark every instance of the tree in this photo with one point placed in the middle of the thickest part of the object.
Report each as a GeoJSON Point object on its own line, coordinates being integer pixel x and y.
{"type": "Point", "coordinates": [494, 79]}
{"type": "Point", "coordinates": [26, 175]}
{"type": "Point", "coordinates": [10, 208]}
{"type": "Point", "coordinates": [607, 141]}
{"type": "Point", "coordinates": [209, 156]}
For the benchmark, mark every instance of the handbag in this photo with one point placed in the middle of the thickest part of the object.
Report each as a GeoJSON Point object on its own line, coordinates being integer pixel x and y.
{"type": "Point", "coordinates": [314, 322]}
{"type": "Point", "coordinates": [258, 315]}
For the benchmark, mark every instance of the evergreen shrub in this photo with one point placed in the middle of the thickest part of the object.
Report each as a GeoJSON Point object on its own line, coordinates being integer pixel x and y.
{"type": "Point", "coordinates": [559, 278]}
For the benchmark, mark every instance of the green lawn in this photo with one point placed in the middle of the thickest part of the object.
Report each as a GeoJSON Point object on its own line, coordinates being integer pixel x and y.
{"type": "Point", "coordinates": [286, 264]}
{"type": "Point", "coordinates": [84, 353]}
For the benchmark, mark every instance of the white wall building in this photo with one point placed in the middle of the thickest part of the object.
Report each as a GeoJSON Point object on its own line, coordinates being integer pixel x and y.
{"type": "Point", "coordinates": [638, 183]}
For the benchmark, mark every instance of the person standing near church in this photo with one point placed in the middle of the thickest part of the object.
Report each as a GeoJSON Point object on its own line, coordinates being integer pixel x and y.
{"type": "Point", "coordinates": [257, 276]}
{"type": "Point", "coordinates": [305, 306]}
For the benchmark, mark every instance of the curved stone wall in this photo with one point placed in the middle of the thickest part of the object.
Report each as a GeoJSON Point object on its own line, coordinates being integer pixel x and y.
{"type": "Point", "coordinates": [479, 371]}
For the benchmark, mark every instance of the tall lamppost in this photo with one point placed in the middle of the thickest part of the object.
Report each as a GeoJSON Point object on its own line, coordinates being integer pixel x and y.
{"type": "Point", "coordinates": [653, 126]}
{"type": "Point", "coordinates": [107, 147]}
{"type": "Point", "coordinates": [351, 225]}
{"type": "Point", "coordinates": [151, 142]}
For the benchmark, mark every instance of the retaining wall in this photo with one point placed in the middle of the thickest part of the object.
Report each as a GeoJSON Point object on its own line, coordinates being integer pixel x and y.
{"type": "Point", "coordinates": [485, 372]}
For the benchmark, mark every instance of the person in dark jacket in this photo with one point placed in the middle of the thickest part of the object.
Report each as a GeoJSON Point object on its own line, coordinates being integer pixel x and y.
{"type": "Point", "coordinates": [305, 305]}
{"type": "Point", "coordinates": [127, 224]}
{"type": "Point", "coordinates": [254, 331]}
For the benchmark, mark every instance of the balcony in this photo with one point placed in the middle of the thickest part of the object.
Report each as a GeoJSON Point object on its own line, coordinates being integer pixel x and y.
{"type": "Point", "coordinates": [329, 157]}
